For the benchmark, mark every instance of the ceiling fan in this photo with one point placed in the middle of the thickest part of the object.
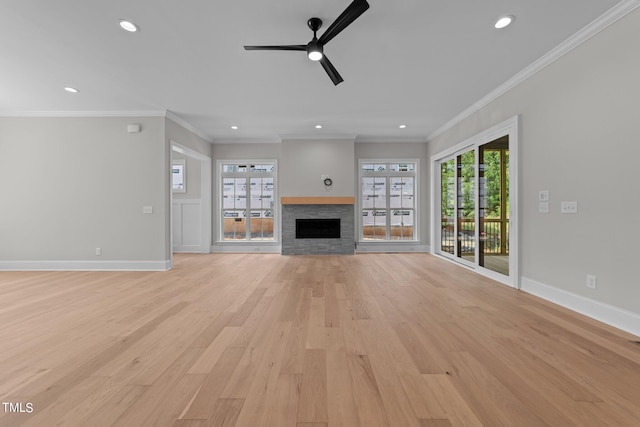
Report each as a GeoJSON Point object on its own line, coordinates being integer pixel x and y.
{"type": "Point", "coordinates": [315, 48]}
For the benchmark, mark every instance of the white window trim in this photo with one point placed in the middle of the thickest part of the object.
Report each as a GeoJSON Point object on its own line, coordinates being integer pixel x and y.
{"type": "Point", "coordinates": [416, 200]}
{"type": "Point", "coordinates": [218, 204]}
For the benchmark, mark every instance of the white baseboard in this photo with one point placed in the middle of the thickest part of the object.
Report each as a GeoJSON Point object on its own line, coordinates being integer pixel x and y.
{"type": "Point", "coordinates": [614, 316]}
{"type": "Point", "coordinates": [246, 248]}
{"type": "Point", "coordinates": [192, 249]}
{"type": "Point", "coordinates": [375, 247]}
{"type": "Point", "coordinates": [85, 265]}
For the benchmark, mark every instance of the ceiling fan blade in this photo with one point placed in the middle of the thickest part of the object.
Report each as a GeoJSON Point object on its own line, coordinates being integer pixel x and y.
{"type": "Point", "coordinates": [350, 14]}
{"type": "Point", "coordinates": [283, 47]}
{"type": "Point", "coordinates": [336, 78]}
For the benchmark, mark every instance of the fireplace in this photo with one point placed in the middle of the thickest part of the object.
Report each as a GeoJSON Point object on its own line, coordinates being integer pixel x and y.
{"type": "Point", "coordinates": [318, 226]}
{"type": "Point", "coordinates": [314, 228]}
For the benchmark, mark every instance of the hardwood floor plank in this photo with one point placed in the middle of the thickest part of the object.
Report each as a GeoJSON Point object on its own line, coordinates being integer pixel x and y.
{"type": "Point", "coordinates": [212, 331]}
{"type": "Point", "coordinates": [312, 406]}
{"type": "Point", "coordinates": [420, 355]}
{"type": "Point", "coordinates": [109, 412]}
{"type": "Point", "coordinates": [160, 398]}
{"type": "Point", "coordinates": [247, 339]}
{"type": "Point", "coordinates": [213, 385]}
{"type": "Point", "coordinates": [225, 413]}
{"type": "Point", "coordinates": [331, 307]}
{"type": "Point", "coordinates": [245, 310]}
{"type": "Point", "coordinates": [353, 340]}
{"type": "Point", "coordinates": [340, 396]}
{"type": "Point", "coordinates": [189, 423]}
{"type": "Point", "coordinates": [366, 392]}
{"type": "Point", "coordinates": [295, 348]}
{"type": "Point", "coordinates": [263, 382]}
{"type": "Point", "coordinates": [435, 397]}
{"type": "Point", "coordinates": [387, 362]}
{"type": "Point", "coordinates": [283, 408]}
{"type": "Point", "coordinates": [490, 401]}
{"type": "Point", "coordinates": [73, 375]}
{"type": "Point", "coordinates": [316, 333]}
{"type": "Point", "coordinates": [210, 356]}
{"type": "Point", "coordinates": [58, 413]}
{"type": "Point", "coordinates": [435, 423]}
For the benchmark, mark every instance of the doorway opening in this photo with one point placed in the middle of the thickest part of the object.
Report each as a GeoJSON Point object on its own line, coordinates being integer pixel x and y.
{"type": "Point", "coordinates": [190, 200]}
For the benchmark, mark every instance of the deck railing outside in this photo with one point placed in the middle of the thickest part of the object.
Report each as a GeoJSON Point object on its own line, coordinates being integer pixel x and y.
{"type": "Point", "coordinates": [494, 236]}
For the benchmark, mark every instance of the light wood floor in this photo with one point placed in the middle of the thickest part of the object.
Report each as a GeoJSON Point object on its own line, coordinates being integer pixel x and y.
{"type": "Point", "coordinates": [251, 340]}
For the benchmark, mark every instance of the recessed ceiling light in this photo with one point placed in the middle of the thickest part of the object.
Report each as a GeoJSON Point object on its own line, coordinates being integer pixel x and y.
{"type": "Point", "coordinates": [402, 126]}
{"type": "Point", "coordinates": [318, 126]}
{"type": "Point", "coordinates": [129, 26]}
{"type": "Point", "coordinates": [71, 89]}
{"type": "Point", "coordinates": [504, 21]}
{"type": "Point", "coordinates": [234, 127]}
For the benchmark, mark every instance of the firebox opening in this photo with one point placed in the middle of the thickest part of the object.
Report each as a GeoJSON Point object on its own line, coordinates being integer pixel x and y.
{"type": "Point", "coordinates": [318, 228]}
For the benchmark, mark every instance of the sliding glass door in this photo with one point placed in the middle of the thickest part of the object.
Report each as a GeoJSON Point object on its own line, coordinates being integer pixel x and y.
{"type": "Point", "coordinates": [474, 206]}
{"type": "Point", "coordinates": [494, 205]}
{"type": "Point", "coordinates": [466, 206]}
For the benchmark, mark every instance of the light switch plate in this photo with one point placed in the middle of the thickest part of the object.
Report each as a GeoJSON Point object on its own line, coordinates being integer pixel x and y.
{"type": "Point", "coordinates": [543, 196]}
{"type": "Point", "coordinates": [147, 209]}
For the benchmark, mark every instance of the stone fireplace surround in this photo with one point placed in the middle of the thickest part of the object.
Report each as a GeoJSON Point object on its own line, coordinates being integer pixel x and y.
{"type": "Point", "coordinates": [318, 208]}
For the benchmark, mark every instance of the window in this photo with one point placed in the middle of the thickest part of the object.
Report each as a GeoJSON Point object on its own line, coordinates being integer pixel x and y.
{"type": "Point", "coordinates": [388, 199]}
{"type": "Point", "coordinates": [248, 201]}
{"type": "Point", "coordinates": [178, 174]}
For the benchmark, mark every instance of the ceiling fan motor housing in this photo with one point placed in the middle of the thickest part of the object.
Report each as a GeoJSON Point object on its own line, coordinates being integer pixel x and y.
{"type": "Point", "coordinates": [315, 52]}
{"type": "Point", "coordinates": [314, 24]}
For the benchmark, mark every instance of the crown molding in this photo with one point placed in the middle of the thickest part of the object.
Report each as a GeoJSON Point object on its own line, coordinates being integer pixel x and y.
{"type": "Point", "coordinates": [612, 15]}
{"type": "Point", "coordinates": [391, 140]}
{"type": "Point", "coordinates": [273, 140]}
{"type": "Point", "coordinates": [188, 126]}
{"type": "Point", "coordinates": [317, 136]}
{"type": "Point", "coordinates": [82, 114]}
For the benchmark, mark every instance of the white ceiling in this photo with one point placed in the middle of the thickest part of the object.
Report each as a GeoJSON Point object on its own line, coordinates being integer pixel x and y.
{"type": "Point", "coordinates": [413, 62]}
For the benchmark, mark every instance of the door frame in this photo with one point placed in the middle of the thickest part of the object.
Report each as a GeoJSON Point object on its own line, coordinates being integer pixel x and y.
{"type": "Point", "coordinates": [205, 194]}
{"type": "Point", "coordinates": [509, 127]}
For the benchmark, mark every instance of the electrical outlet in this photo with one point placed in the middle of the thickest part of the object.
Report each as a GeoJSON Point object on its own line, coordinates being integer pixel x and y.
{"type": "Point", "coordinates": [98, 251]}
{"type": "Point", "coordinates": [569, 207]}
{"type": "Point", "coordinates": [543, 207]}
{"type": "Point", "coordinates": [543, 196]}
{"type": "Point", "coordinates": [592, 282]}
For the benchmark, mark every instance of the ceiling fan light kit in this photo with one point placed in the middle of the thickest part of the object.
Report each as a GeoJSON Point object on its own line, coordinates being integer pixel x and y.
{"type": "Point", "coordinates": [315, 48]}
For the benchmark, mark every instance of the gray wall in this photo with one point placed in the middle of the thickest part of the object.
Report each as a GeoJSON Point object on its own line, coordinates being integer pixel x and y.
{"type": "Point", "coordinates": [71, 185]}
{"type": "Point", "coordinates": [305, 161]}
{"type": "Point", "coordinates": [579, 140]}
